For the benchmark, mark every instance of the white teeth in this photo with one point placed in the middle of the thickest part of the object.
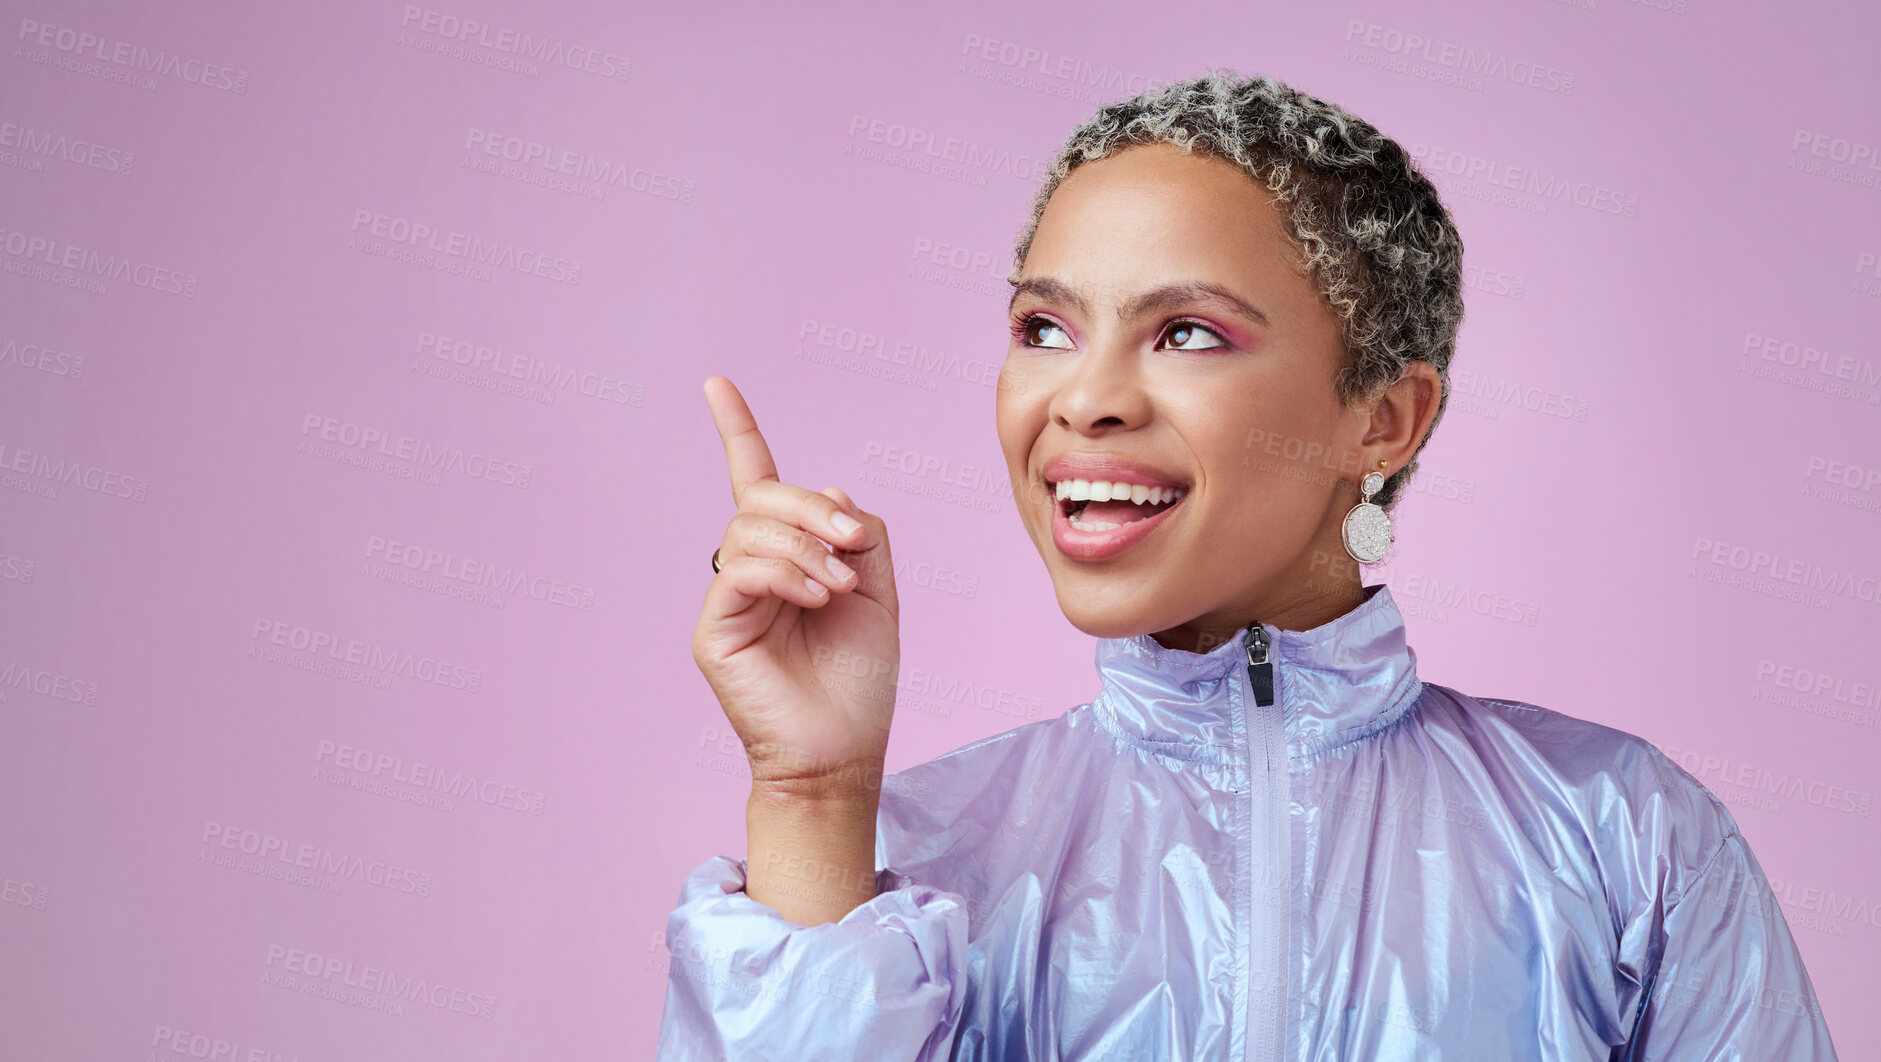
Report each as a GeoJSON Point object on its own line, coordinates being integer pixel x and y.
{"type": "Point", "coordinates": [1101, 525]}
{"type": "Point", "coordinates": [1105, 490]}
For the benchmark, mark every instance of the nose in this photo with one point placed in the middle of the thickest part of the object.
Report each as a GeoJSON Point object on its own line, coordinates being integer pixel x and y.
{"type": "Point", "coordinates": [1102, 391]}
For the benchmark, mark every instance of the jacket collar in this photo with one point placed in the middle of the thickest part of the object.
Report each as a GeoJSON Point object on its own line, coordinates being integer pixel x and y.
{"type": "Point", "coordinates": [1334, 683]}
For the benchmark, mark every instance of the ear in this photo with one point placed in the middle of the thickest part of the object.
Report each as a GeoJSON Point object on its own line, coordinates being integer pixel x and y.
{"type": "Point", "coordinates": [1401, 419]}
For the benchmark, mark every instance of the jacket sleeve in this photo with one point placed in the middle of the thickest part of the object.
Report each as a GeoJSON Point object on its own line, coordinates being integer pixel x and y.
{"type": "Point", "coordinates": [886, 982]}
{"type": "Point", "coordinates": [1730, 983]}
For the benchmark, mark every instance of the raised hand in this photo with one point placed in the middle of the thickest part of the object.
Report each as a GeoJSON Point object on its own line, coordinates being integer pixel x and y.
{"type": "Point", "coordinates": [801, 653]}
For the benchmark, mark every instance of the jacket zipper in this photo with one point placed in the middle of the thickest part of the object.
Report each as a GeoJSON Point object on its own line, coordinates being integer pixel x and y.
{"type": "Point", "coordinates": [1260, 670]}
{"type": "Point", "coordinates": [1267, 926]}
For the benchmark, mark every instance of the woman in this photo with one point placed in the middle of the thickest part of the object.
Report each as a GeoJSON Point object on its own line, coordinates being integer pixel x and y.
{"type": "Point", "coordinates": [1233, 314]}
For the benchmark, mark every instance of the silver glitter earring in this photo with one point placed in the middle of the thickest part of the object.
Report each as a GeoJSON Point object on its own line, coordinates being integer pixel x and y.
{"type": "Point", "coordinates": [1367, 529]}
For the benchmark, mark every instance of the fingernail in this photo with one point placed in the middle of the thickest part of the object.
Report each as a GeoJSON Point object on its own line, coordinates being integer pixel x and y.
{"type": "Point", "coordinates": [844, 523]}
{"type": "Point", "coordinates": [838, 568]}
{"type": "Point", "coordinates": [815, 587]}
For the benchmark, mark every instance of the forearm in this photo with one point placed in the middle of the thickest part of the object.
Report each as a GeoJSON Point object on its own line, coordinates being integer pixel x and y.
{"type": "Point", "coordinates": [811, 855]}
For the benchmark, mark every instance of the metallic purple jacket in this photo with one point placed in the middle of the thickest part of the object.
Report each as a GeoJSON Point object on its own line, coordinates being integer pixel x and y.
{"type": "Point", "coordinates": [1290, 847]}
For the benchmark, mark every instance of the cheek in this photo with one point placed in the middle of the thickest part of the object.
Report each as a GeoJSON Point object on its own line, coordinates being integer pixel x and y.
{"type": "Point", "coordinates": [1266, 509]}
{"type": "Point", "coordinates": [1275, 467]}
{"type": "Point", "coordinates": [1018, 419]}
{"type": "Point", "coordinates": [1014, 381]}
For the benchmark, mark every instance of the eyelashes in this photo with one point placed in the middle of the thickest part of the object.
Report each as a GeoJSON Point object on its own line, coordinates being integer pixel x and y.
{"type": "Point", "coordinates": [1185, 325]}
{"type": "Point", "coordinates": [1022, 326]}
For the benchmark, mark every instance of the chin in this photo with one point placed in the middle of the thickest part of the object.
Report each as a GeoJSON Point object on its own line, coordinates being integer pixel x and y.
{"type": "Point", "coordinates": [1122, 619]}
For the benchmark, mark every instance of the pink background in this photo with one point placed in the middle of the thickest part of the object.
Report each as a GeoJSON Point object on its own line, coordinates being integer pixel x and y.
{"type": "Point", "coordinates": [1653, 502]}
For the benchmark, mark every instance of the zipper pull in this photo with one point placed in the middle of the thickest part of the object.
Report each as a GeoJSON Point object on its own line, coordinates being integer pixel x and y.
{"type": "Point", "coordinates": [1260, 670]}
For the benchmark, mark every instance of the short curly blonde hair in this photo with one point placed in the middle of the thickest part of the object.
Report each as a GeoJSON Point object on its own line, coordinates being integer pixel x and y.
{"type": "Point", "coordinates": [1377, 241]}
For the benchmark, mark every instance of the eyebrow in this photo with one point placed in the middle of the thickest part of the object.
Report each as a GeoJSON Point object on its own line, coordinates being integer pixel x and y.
{"type": "Point", "coordinates": [1053, 290]}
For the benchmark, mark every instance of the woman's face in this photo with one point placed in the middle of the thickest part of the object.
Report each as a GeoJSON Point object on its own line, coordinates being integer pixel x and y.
{"type": "Point", "coordinates": [1237, 410]}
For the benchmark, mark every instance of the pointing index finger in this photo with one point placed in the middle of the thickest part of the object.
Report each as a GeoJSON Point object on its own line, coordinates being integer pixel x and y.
{"type": "Point", "coordinates": [746, 453]}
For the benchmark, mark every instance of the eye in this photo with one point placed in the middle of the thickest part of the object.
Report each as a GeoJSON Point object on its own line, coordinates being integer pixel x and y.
{"type": "Point", "coordinates": [1184, 332]}
{"type": "Point", "coordinates": [1030, 330]}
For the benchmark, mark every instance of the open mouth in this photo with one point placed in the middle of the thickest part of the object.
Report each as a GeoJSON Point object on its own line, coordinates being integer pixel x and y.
{"type": "Point", "coordinates": [1102, 505]}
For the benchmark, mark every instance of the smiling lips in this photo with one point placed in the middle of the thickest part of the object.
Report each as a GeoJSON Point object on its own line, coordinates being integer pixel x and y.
{"type": "Point", "coordinates": [1107, 502]}
{"type": "Point", "coordinates": [1102, 504]}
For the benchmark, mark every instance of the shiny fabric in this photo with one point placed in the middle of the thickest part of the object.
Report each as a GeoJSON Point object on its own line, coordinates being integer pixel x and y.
{"type": "Point", "coordinates": [1371, 867]}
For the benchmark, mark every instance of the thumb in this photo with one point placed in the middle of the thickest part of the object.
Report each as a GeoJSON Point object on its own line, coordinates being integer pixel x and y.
{"type": "Point", "coordinates": [836, 495]}
{"type": "Point", "coordinates": [874, 565]}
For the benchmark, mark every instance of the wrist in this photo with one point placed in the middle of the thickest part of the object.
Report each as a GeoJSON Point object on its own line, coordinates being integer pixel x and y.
{"type": "Point", "coordinates": [850, 786]}
{"type": "Point", "coordinates": [811, 848]}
